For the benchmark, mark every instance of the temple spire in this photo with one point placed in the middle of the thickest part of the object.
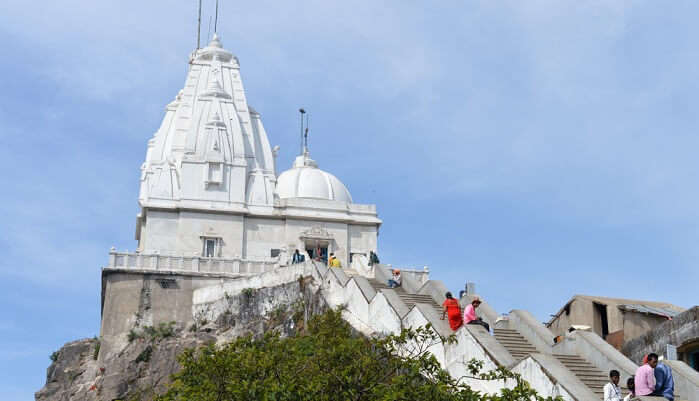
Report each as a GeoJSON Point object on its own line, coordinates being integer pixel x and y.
{"type": "Point", "coordinates": [304, 137]}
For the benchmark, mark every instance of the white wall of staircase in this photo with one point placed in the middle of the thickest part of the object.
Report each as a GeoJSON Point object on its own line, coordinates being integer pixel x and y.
{"type": "Point", "coordinates": [373, 309]}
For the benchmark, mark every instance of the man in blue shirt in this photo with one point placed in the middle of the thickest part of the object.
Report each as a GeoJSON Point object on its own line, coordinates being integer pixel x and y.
{"type": "Point", "coordinates": [664, 385]}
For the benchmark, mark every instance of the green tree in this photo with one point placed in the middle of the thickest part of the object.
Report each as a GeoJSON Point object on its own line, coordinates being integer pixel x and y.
{"type": "Point", "coordinates": [329, 362]}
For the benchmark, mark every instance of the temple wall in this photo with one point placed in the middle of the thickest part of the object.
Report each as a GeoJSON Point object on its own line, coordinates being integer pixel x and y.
{"type": "Point", "coordinates": [363, 239]}
{"type": "Point", "coordinates": [194, 225]}
{"type": "Point", "coordinates": [157, 232]}
{"type": "Point", "coordinates": [179, 233]}
{"type": "Point", "coordinates": [263, 235]}
{"type": "Point", "coordinates": [139, 299]}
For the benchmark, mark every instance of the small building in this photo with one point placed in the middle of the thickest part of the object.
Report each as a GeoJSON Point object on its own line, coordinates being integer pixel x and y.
{"type": "Point", "coordinates": [674, 339]}
{"type": "Point", "coordinates": [616, 320]}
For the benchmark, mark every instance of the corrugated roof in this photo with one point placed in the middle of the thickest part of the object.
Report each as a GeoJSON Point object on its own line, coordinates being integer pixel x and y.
{"type": "Point", "coordinates": [649, 309]}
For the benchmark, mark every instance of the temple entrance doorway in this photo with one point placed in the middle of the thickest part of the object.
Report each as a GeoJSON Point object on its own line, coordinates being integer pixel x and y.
{"type": "Point", "coordinates": [317, 250]}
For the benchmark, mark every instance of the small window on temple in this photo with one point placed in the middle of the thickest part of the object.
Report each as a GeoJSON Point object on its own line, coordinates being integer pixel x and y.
{"type": "Point", "coordinates": [215, 173]}
{"type": "Point", "coordinates": [210, 245]}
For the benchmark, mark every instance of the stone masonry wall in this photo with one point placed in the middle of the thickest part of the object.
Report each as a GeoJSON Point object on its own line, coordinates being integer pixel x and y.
{"type": "Point", "coordinates": [682, 329]}
{"type": "Point", "coordinates": [136, 361]}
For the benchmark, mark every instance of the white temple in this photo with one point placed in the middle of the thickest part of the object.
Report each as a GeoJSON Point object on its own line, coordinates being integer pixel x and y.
{"type": "Point", "coordinates": [209, 186]}
{"type": "Point", "coordinates": [216, 221]}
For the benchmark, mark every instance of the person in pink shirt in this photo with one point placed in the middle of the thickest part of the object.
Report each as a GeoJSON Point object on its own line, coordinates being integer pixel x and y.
{"type": "Point", "coordinates": [644, 380]}
{"type": "Point", "coordinates": [470, 314]}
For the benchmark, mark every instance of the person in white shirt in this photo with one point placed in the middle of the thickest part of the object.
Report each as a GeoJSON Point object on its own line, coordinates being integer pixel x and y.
{"type": "Point", "coordinates": [612, 392]}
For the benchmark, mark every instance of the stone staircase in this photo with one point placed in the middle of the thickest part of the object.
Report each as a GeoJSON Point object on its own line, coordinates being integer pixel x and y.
{"type": "Point", "coordinates": [592, 377]}
{"type": "Point", "coordinates": [514, 343]}
{"type": "Point", "coordinates": [407, 298]}
{"type": "Point", "coordinates": [520, 348]}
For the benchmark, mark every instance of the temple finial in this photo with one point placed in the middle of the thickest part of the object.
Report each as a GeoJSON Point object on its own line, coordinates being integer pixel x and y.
{"type": "Point", "coordinates": [303, 141]}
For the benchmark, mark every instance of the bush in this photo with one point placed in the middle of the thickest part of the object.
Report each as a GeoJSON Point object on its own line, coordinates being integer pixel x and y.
{"type": "Point", "coordinates": [162, 330]}
{"type": "Point", "coordinates": [145, 355]}
{"type": "Point", "coordinates": [54, 356]}
{"type": "Point", "coordinates": [329, 362]}
{"type": "Point", "coordinates": [98, 344]}
{"type": "Point", "coordinates": [134, 335]}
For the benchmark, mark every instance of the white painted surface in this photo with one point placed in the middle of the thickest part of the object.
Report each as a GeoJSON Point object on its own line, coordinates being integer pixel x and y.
{"type": "Point", "coordinates": [210, 171]}
{"type": "Point", "coordinates": [458, 355]}
{"type": "Point", "coordinates": [539, 380]}
{"type": "Point", "coordinates": [378, 316]}
{"type": "Point", "coordinates": [306, 180]}
{"type": "Point", "coordinates": [211, 148]}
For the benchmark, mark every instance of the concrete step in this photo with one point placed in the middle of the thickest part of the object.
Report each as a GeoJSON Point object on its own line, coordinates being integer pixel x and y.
{"type": "Point", "coordinates": [515, 344]}
{"type": "Point", "coordinates": [588, 374]}
{"type": "Point", "coordinates": [511, 347]}
{"type": "Point", "coordinates": [512, 340]}
{"type": "Point", "coordinates": [592, 379]}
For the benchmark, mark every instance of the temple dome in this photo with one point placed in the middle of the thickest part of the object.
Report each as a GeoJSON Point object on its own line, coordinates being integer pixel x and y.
{"type": "Point", "coordinates": [306, 180]}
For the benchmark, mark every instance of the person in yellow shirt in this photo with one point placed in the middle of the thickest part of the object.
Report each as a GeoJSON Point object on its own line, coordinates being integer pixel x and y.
{"type": "Point", "coordinates": [333, 261]}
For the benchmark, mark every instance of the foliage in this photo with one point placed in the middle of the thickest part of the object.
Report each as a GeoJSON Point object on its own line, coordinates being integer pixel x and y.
{"type": "Point", "coordinates": [145, 355]}
{"type": "Point", "coordinates": [328, 362]}
{"type": "Point", "coordinates": [54, 356]}
{"type": "Point", "coordinates": [248, 292]}
{"type": "Point", "coordinates": [134, 335]}
{"type": "Point", "coordinates": [96, 352]}
{"type": "Point", "coordinates": [163, 330]}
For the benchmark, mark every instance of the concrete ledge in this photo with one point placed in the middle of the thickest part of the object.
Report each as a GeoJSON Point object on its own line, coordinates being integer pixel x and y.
{"type": "Point", "coordinates": [492, 347]}
{"type": "Point", "coordinates": [410, 284]}
{"type": "Point", "coordinates": [381, 273]}
{"type": "Point", "coordinates": [686, 379]}
{"type": "Point", "coordinates": [417, 317]}
{"type": "Point", "coordinates": [364, 286]}
{"type": "Point", "coordinates": [485, 311]}
{"type": "Point", "coordinates": [356, 303]}
{"type": "Point", "coordinates": [597, 351]}
{"type": "Point", "coordinates": [531, 329]}
{"type": "Point", "coordinates": [396, 303]}
{"type": "Point", "coordinates": [503, 322]}
{"type": "Point", "coordinates": [559, 374]}
{"type": "Point", "coordinates": [185, 273]}
{"type": "Point", "coordinates": [340, 274]}
{"type": "Point", "coordinates": [383, 316]}
{"type": "Point", "coordinates": [441, 326]}
{"type": "Point", "coordinates": [268, 279]}
{"type": "Point", "coordinates": [435, 289]}
{"type": "Point", "coordinates": [321, 269]}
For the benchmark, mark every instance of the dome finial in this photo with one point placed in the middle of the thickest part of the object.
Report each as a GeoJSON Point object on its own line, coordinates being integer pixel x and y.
{"type": "Point", "coordinates": [215, 41]}
{"type": "Point", "coordinates": [304, 133]}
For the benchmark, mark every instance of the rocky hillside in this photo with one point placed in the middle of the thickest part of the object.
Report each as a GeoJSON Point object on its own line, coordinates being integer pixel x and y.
{"type": "Point", "coordinates": [142, 367]}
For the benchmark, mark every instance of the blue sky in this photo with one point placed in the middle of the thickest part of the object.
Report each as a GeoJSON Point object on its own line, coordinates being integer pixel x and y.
{"type": "Point", "coordinates": [540, 148]}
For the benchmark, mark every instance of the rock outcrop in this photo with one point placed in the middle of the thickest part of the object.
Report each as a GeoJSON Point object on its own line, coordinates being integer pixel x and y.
{"type": "Point", "coordinates": [142, 367]}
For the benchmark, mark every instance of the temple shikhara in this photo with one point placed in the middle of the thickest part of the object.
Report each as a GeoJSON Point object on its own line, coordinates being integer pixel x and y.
{"type": "Point", "coordinates": [209, 186]}
{"type": "Point", "coordinates": [217, 219]}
